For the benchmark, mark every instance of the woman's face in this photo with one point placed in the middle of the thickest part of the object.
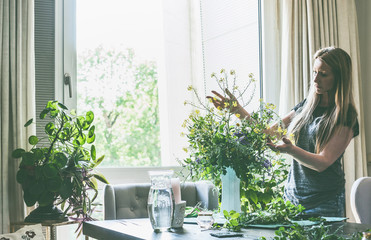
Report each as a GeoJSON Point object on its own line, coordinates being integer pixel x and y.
{"type": "Point", "coordinates": [323, 77]}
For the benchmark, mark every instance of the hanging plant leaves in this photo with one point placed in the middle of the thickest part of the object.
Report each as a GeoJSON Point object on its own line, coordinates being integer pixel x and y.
{"type": "Point", "coordinates": [18, 153]}
{"type": "Point", "coordinates": [28, 123]}
{"type": "Point", "coordinates": [33, 140]}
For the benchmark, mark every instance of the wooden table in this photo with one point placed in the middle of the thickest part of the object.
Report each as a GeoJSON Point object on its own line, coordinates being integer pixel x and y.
{"type": "Point", "coordinates": [51, 227]}
{"type": "Point", "coordinates": [135, 229]}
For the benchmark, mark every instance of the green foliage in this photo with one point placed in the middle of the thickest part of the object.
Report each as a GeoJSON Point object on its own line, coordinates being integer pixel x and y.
{"type": "Point", "coordinates": [319, 232]}
{"type": "Point", "coordinates": [124, 95]}
{"type": "Point", "coordinates": [277, 212]}
{"type": "Point", "coordinates": [232, 221]}
{"type": "Point", "coordinates": [61, 172]}
{"type": "Point", "coordinates": [217, 141]}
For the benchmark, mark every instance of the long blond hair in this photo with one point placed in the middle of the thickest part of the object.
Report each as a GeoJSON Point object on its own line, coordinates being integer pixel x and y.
{"type": "Point", "coordinates": [341, 111]}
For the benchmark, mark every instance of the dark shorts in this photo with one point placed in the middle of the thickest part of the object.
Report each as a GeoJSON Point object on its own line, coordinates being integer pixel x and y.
{"type": "Point", "coordinates": [331, 208]}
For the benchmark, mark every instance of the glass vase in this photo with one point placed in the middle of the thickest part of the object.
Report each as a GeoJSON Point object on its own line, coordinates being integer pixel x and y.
{"type": "Point", "coordinates": [160, 200]}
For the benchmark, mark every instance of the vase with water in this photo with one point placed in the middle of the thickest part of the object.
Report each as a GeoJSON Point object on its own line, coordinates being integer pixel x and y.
{"type": "Point", "coordinates": [231, 199]}
{"type": "Point", "coordinates": [160, 200]}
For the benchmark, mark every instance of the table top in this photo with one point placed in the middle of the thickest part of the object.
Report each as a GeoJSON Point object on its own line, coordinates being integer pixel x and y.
{"type": "Point", "coordinates": [142, 229]}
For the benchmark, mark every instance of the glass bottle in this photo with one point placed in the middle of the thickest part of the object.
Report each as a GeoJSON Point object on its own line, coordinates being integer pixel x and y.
{"type": "Point", "coordinates": [160, 200]}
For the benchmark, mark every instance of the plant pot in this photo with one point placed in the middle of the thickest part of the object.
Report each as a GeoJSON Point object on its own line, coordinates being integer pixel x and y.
{"type": "Point", "coordinates": [46, 213]}
{"type": "Point", "coordinates": [231, 199]}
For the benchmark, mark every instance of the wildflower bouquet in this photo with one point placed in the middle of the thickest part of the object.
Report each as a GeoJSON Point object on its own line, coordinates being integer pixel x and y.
{"type": "Point", "coordinates": [218, 140]}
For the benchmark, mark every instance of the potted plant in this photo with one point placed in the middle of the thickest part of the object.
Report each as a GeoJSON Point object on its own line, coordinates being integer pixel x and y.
{"type": "Point", "coordinates": [61, 171]}
{"type": "Point", "coordinates": [219, 141]}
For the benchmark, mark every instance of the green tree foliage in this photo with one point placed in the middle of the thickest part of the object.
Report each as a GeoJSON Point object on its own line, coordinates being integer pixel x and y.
{"type": "Point", "coordinates": [124, 95]}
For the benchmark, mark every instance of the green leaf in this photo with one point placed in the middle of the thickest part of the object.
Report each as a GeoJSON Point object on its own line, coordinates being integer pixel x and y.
{"type": "Point", "coordinates": [28, 123]}
{"type": "Point", "coordinates": [98, 161]}
{"type": "Point", "coordinates": [73, 112]}
{"type": "Point", "coordinates": [27, 159]}
{"type": "Point", "coordinates": [29, 199]}
{"type": "Point", "coordinates": [89, 117]}
{"type": "Point", "coordinates": [91, 139]}
{"type": "Point", "coordinates": [44, 113]}
{"type": "Point", "coordinates": [91, 132]}
{"type": "Point", "coordinates": [49, 128]}
{"type": "Point", "coordinates": [93, 152]}
{"type": "Point", "coordinates": [94, 183]}
{"type": "Point", "coordinates": [253, 197]}
{"type": "Point", "coordinates": [33, 140]}
{"type": "Point", "coordinates": [50, 171]}
{"type": "Point", "coordinates": [62, 106]}
{"type": "Point", "coordinates": [66, 189]}
{"type": "Point", "coordinates": [60, 159]}
{"type": "Point", "coordinates": [38, 154]}
{"type": "Point", "coordinates": [101, 178]}
{"type": "Point", "coordinates": [21, 176]}
{"type": "Point", "coordinates": [17, 153]}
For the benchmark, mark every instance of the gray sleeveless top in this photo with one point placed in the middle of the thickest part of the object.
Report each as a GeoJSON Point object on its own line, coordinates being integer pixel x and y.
{"type": "Point", "coordinates": [306, 186]}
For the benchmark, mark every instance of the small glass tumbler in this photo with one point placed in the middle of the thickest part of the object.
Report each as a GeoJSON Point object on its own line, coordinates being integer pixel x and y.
{"type": "Point", "coordinates": [205, 220]}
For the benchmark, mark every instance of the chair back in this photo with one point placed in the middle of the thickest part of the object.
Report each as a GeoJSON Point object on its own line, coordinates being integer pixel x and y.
{"type": "Point", "coordinates": [360, 200]}
{"type": "Point", "coordinates": [125, 201]}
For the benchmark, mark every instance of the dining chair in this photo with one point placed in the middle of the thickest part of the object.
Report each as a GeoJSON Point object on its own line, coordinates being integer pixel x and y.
{"type": "Point", "coordinates": [360, 200]}
{"type": "Point", "coordinates": [126, 201]}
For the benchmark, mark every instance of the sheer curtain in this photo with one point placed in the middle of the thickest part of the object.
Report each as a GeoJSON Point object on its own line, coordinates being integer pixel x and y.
{"type": "Point", "coordinates": [299, 28]}
{"type": "Point", "coordinates": [17, 100]}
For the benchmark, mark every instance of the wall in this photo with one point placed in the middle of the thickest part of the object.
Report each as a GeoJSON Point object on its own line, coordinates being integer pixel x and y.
{"type": "Point", "coordinates": [364, 23]}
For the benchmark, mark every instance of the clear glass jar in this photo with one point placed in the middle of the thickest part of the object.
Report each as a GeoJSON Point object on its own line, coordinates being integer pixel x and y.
{"type": "Point", "coordinates": [160, 200]}
{"type": "Point", "coordinates": [205, 220]}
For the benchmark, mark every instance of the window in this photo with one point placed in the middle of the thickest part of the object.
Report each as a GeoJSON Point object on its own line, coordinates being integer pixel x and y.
{"type": "Point", "coordinates": [178, 43]}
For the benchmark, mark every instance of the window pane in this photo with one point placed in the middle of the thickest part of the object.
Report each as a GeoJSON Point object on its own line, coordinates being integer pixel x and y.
{"type": "Point", "coordinates": [230, 38]}
{"type": "Point", "coordinates": [117, 76]}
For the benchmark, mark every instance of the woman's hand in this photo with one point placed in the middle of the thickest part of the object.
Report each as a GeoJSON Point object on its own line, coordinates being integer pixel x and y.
{"type": "Point", "coordinates": [230, 103]}
{"type": "Point", "coordinates": [285, 147]}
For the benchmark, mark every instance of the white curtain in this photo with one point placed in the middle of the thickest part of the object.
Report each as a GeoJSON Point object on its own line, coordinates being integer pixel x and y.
{"type": "Point", "coordinates": [299, 28]}
{"type": "Point", "coordinates": [17, 100]}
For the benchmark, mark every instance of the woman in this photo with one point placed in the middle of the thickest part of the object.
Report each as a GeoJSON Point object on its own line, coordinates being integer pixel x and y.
{"type": "Point", "coordinates": [323, 125]}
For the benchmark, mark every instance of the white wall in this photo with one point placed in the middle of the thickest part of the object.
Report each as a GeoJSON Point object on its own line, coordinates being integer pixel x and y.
{"type": "Point", "coordinates": [364, 23]}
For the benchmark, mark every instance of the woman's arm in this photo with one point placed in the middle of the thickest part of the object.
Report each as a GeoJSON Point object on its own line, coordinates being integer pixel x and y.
{"type": "Point", "coordinates": [321, 161]}
{"type": "Point", "coordinates": [234, 106]}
